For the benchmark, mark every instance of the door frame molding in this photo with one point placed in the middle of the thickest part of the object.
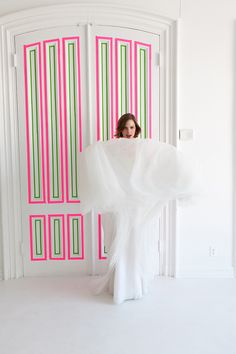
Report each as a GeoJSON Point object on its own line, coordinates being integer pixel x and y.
{"type": "Point", "coordinates": [35, 19]}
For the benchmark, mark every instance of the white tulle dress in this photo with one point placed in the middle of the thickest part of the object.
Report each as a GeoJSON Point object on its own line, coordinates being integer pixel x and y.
{"type": "Point", "coordinates": [131, 179]}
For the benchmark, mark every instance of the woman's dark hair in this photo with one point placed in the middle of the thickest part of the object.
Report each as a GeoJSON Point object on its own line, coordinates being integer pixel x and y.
{"type": "Point", "coordinates": [122, 122]}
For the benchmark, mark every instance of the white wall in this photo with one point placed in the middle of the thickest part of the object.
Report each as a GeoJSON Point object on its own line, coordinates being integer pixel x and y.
{"type": "Point", "coordinates": [1, 265]}
{"type": "Point", "coordinates": [206, 96]}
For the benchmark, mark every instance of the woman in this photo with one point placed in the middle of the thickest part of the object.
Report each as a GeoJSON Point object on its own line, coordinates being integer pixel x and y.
{"type": "Point", "coordinates": [128, 181]}
{"type": "Point", "coordinates": [127, 127]}
{"type": "Point", "coordinates": [132, 272]}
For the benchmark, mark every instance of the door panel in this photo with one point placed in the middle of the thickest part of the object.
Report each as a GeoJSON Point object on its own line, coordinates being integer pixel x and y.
{"type": "Point", "coordinates": [52, 133]}
{"type": "Point", "coordinates": [125, 78]}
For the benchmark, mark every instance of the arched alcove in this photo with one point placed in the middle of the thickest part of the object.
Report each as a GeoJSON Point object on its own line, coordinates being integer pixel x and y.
{"type": "Point", "coordinates": [31, 40]}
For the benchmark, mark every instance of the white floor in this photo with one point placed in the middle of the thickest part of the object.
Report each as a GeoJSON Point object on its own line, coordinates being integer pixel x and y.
{"type": "Point", "coordinates": [59, 315]}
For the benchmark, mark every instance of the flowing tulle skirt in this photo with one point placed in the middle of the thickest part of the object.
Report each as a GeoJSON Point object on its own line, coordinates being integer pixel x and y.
{"type": "Point", "coordinates": [132, 180]}
{"type": "Point", "coordinates": [137, 263]}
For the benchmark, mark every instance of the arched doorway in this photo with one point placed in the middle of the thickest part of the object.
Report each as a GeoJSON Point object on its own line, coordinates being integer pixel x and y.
{"type": "Point", "coordinates": [71, 81]}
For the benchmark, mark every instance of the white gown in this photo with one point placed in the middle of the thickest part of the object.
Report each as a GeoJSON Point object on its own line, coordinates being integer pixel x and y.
{"type": "Point", "coordinates": [137, 264]}
{"type": "Point", "coordinates": [132, 179]}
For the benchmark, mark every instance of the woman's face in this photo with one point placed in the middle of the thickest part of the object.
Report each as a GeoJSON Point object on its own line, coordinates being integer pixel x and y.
{"type": "Point", "coordinates": [129, 129]}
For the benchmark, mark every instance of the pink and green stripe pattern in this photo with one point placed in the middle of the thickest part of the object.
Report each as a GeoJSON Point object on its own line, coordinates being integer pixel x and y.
{"type": "Point", "coordinates": [53, 110]}
{"type": "Point", "coordinates": [123, 68]}
{"type": "Point", "coordinates": [50, 241]}
{"type": "Point", "coordinates": [72, 114]}
{"type": "Point", "coordinates": [38, 244]}
{"type": "Point", "coordinates": [102, 252]}
{"type": "Point", "coordinates": [104, 84]}
{"type": "Point", "coordinates": [52, 73]}
{"type": "Point", "coordinates": [56, 227]}
{"type": "Point", "coordinates": [143, 87]}
{"type": "Point", "coordinates": [128, 55]}
{"type": "Point", "coordinates": [34, 123]}
{"type": "Point", "coordinates": [75, 234]}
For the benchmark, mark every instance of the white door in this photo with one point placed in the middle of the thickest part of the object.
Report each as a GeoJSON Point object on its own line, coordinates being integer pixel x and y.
{"type": "Point", "coordinates": [125, 78]}
{"type": "Point", "coordinates": [53, 89]}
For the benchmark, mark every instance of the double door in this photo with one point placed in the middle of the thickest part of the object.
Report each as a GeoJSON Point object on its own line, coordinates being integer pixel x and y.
{"type": "Point", "coordinates": [73, 83]}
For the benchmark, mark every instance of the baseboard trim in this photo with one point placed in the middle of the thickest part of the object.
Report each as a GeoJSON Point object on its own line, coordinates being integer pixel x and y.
{"type": "Point", "coordinates": [206, 273]}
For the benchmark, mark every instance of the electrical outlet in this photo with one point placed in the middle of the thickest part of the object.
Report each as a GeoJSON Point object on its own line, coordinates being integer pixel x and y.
{"type": "Point", "coordinates": [212, 251]}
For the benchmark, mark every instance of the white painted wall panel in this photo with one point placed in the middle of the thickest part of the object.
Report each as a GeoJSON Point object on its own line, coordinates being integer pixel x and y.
{"type": "Point", "coordinates": [206, 96]}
